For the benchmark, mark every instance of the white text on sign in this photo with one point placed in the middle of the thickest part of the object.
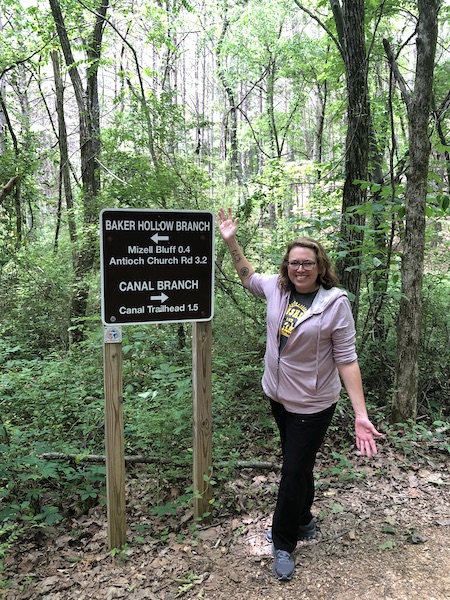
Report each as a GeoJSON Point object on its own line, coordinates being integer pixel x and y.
{"type": "Point", "coordinates": [154, 309]}
{"type": "Point", "coordinates": [150, 286]}
{"type": "Point", "coordinates": [130, 225]}
{"type": "Point", "coordinates": [126, 261]}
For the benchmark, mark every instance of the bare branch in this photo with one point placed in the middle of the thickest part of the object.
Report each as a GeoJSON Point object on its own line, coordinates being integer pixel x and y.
{"type": "Point", "coordinates": [321, 24]}
{"type": "Point", "coordinates": [406, 95]}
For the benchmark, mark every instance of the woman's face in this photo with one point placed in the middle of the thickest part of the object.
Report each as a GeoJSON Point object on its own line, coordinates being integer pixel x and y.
{"type": "Point", "coordinates": [304, 279]}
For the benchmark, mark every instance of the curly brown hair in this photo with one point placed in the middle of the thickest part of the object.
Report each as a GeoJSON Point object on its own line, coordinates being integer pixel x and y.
{"type": "Point", "coordinates": [327, 276]}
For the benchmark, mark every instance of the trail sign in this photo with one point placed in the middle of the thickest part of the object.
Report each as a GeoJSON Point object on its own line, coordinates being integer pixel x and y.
{"type": "Point", "coordinates": [157, 266]}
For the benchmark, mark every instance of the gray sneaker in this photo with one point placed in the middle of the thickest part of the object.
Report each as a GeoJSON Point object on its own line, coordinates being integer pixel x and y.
{"type": "Point", "coordinates": [283, 565]}
{"type": "Point", "coordinates": [305, 532]}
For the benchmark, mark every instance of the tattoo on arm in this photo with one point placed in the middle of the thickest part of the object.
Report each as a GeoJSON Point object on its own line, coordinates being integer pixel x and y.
{"type": "Point", "coordinates": [235, 256]}
{"type": "Point", "coordinates": [244, 272]}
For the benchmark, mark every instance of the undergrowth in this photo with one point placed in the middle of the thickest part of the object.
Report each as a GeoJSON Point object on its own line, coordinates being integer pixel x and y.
{"type": "Point", "coordinates": [55, 404]}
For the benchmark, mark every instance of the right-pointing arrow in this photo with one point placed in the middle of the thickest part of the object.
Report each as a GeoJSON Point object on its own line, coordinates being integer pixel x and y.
{"type": "Point", "coordinates": [162, 297]}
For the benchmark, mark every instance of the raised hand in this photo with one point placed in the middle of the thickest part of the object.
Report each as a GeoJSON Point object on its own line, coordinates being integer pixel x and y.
{"type": "Point", "coordinates": [227, 225]}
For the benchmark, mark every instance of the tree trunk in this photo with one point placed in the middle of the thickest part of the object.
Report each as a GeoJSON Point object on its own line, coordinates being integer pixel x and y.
{"type": "Point", "coordinates": [89, 121]}
{"type": "Point", "coordinates": [231, 117]}
{"type": "Point", "coordinates": [64, 167]}
{"type": "Point", "coordinates": [356, 148]}
{"type": "Point", "coordinates": [405, 398]}
{"type": "Point", "coordinates": [13, 185]}
{"type": "Point", "coordinates": [322, 99]}
{"type": "Point", "coordinates": [440, 115]}
{"type": "Point", "coordinates": [3, 127]}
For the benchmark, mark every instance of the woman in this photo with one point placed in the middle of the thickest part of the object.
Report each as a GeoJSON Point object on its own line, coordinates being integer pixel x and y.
{"type": "Point", "coordinates": [310, 347]}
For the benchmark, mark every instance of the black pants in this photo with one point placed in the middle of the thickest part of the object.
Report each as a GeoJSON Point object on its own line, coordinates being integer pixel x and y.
{"type": "Point", "coordinates": [301, 437]}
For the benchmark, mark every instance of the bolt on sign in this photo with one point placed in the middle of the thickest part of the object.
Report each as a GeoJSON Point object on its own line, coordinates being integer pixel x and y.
{"type": "Point", "coordinates": [157, 266]}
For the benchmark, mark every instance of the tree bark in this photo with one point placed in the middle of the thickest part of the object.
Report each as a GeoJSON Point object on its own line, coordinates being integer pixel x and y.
{"type": "Point", "coordinates": [89, 122]}
{"type": "Point", "coordinates": [2, 115]}
{"type": "Point", "coordinates": [13, 185]}
{"type": "Point", "coordinates": [64, 168]}
{"type": "Point", "coordinates": [356, 147]}
{"type": "Point", "coordinates": [405, 400]}
{"type": "Point", "coordinates": [230, 119]}
{"type": "Point", "coordinates": [9, 187]}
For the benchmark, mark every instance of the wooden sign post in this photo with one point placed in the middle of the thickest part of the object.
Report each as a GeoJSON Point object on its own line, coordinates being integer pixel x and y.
{"type": "Point", "coordinates": [114, 439]}
{"type": "Point", "coordinates": [202, 434]}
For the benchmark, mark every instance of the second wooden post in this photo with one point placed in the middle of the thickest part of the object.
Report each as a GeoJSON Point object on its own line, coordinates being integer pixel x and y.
{"type": "Point", "coordinates": [202, 417]}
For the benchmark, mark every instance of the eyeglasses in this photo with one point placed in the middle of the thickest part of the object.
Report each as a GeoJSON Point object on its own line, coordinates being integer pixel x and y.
{"type": "Point", "coordinates": [308, 265]}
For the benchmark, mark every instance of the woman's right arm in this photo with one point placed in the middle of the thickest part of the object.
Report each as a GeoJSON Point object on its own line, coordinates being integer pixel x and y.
{"type": "Point", "coordinates": [228, 228]}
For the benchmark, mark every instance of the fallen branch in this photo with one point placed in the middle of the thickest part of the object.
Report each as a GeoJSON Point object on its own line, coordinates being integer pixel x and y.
{"type": "Point", "coordinates": [100, 458]}
{"type": "Point", "coordinates": [138, 459]}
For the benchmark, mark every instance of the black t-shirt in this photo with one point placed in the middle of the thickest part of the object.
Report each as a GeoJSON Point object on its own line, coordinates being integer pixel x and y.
{"type": "Point", "coordinates": [298, 305]}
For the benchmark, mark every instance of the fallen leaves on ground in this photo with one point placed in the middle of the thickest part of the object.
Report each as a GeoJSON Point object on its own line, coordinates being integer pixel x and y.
{"type": "Point", "coordinates": [383, 533]}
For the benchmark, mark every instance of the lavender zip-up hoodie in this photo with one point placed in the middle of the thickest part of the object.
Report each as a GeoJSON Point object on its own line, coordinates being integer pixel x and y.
{"type": "Point", "coordinates": [304, 376]}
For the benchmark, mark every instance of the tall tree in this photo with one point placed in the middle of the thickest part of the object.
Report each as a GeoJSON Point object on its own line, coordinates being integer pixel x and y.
{"type": "Point", "coordinates": [64, 169]}
{"type": "Point", "coordinates": [350, 23]}
{"type": "Point", "coordinates": [89, 123]}
{"type": "Point", "coordinates": [230, 119]}
{"type": "Point", "coordinates": [2, 115]}
{"type": "Point", "coordinates": [12, 186]}
{"type": "Point", "coordinates": [349, 19]}
{"type": "Point", "coordinates": [405, 398]}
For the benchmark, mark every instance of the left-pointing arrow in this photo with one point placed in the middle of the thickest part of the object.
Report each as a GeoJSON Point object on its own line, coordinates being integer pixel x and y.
{"type": "Point", "coordinates": [162, 297]}
{"type": "Point", "coordinates": [159, 238]}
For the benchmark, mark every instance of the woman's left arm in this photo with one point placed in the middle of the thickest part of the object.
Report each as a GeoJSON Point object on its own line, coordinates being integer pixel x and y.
{"type": "Point", "coordinates": [364, 430]}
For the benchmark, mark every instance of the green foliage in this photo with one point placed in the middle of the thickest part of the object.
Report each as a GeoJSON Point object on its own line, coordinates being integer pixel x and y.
{"type": "Point", "coordinates": [417, 440]}
{"type": "Point", "coordinates": [58, 396]}
{"type": "Point", "coordinates": [34, 299]}
{"type": "Point", "coordinates": [387, 545]}
{"type": "Point", "coordinates": [343, 468]}
{"type": "Point", "coordinates": [35, 491]}
{"type": "Point", "coordinates": [134, 183]}
{"type": "Point", "coordinates": [434, 363]}
{"type": "Point", "coordinates": [165, 398]}
{"type": "Point", "coordinates": [164, 147]}
{"type": "Point", "coordinates": [47, 405]}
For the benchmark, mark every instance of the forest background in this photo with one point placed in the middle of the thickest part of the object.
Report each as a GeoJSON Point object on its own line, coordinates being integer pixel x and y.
{"type": "Point", "coordinates": [324, 119]}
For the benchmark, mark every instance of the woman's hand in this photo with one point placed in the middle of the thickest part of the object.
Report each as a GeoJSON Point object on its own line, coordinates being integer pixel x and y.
{"type": "Point", "coordinates": [228, 228]}
{"type": "Point", "coordinates": [227, 225]}
{"type": "Point", "coordinates": [365, 432]}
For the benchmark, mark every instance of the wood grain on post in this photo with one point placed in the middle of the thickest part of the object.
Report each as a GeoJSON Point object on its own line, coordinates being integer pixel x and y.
{"type": "Point", "coordinates": [114, 440]}
{"type": "Point", "coordinates": [202, 417]}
